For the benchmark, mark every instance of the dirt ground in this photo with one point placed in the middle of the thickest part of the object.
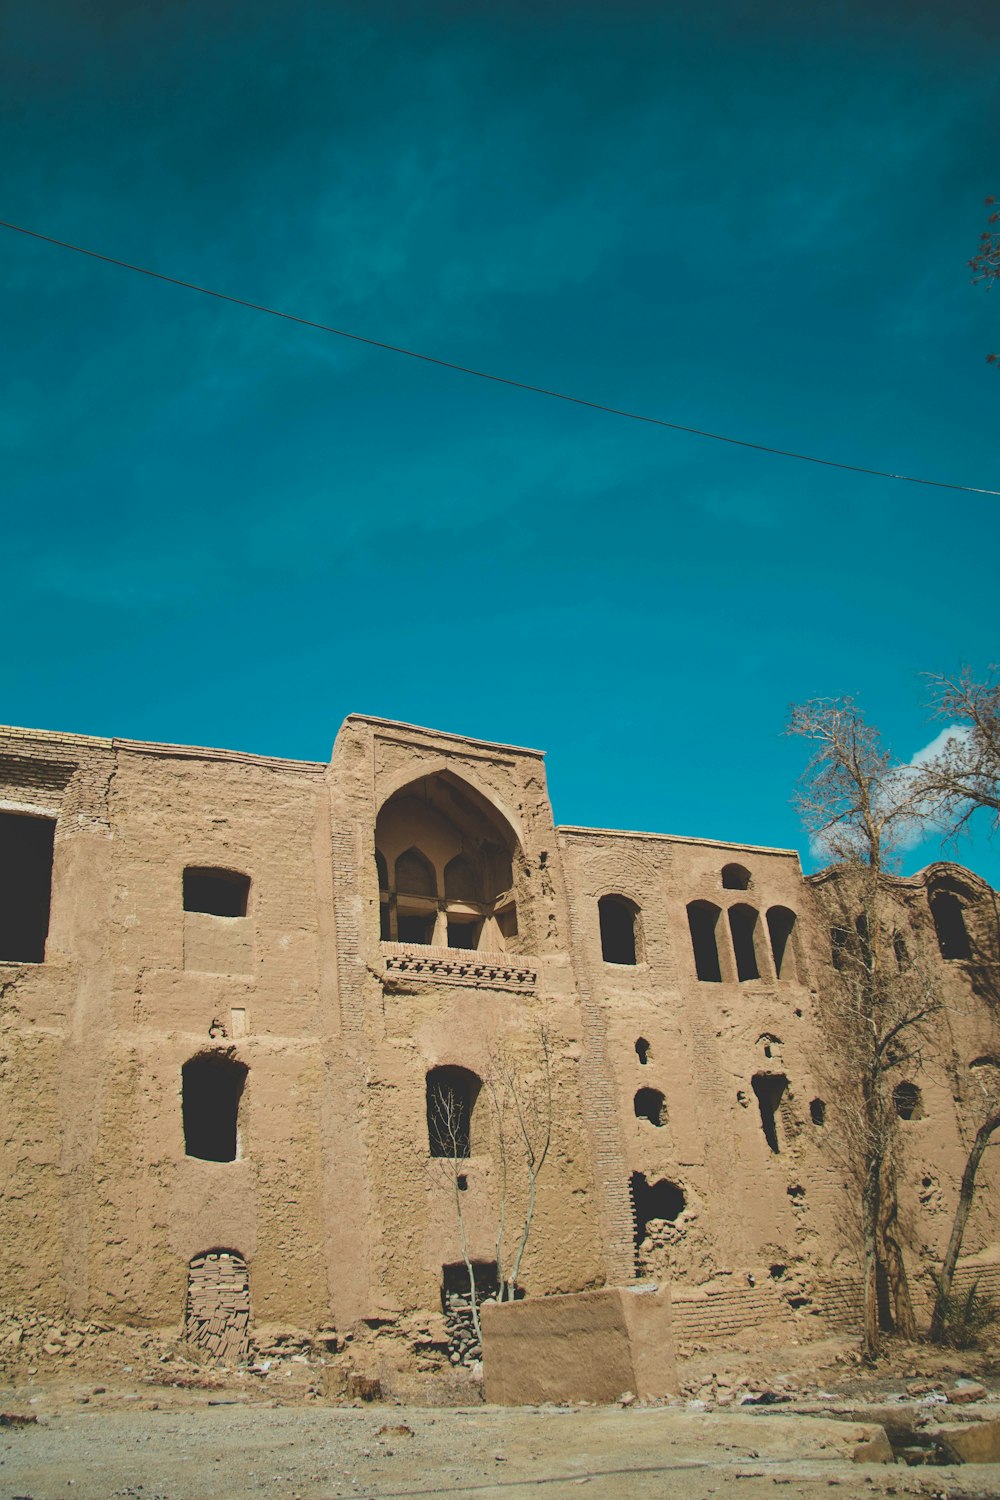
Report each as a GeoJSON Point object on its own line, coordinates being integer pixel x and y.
{"type": "Point", "coordinates": [107, 1420]}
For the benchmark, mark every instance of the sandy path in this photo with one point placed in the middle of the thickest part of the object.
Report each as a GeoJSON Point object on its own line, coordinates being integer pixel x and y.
{"type": "Point", "coordinates": [227, 1452]}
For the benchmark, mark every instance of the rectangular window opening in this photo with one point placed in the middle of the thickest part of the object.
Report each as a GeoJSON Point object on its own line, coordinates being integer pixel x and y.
{"type": "Point", "coordinates": [26, 845]}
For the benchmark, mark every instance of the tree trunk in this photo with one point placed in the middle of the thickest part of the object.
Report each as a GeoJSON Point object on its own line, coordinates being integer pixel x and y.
{"type": "Point", "coordinates": [962, 1211]}
{"type": "Point", "coordinates": [904, 1320]}
{"type": "Point", "coordinates": [870, 1341]}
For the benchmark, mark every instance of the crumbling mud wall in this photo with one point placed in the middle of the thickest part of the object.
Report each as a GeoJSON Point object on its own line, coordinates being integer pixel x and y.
{"type": "Point", "coordinates": [230, 985]}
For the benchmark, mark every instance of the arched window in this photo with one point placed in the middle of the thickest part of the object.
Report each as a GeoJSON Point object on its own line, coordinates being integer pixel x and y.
{"type": "Point", "coordinates": [949, 920]}
{"type": "Point", "coordinates": [618, 929]}
{"type": "Point", "coordinates": [780, 927]}
{"type": "Point", "coordinates": [703, 918]}
{"type": "Point", "coordinates": [25, 886]}
{"type": "Point", "coordinates": [451, 1101]}
{"type": "Point", "coordinates": [211, 1089]}
{"type": "Point", "coordinates": [735, 878]}
{"type": "Point", "coordinates": [642, 1050]}
{"type": "Point", "coordinates": [415, 875]}
{"type": "Point", "coordinates": [461, 882]}
{"type": "Point", "coordinates": [743, 926]}
{"type": "Point", "coordinates": [648, 1105]}
{"type": "Point", "coordinates": [219, 893]}
{"type": "Point", "coordinates": [840, 947]}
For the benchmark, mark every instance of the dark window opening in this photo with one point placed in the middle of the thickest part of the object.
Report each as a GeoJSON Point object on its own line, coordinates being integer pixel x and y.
{"type": "Point", "coordinates": [780, 926]}
{"type": "Point", "coordinates": [451, 1099]}
{"type": "Point", "coordinates": [642, 1050]}
{"type": "Point", "coordinates": [383, 870]}
{"type": "Point", "coordinates": [455, 1281]}
{"type": "Point", "coordinates": [413, 928]}
{"type": "Point", "coordinates": [618, 919]}
{"type": "Point", "coordinates": [457, 1286]}
{"type": "Point", "coordinates": [463, 934]}
{"type": "Point", "coordinates": [703, 919]}
{"type": "Point", "coordinates": [25, 886]}
{"type": "Point", "coordinates": [743, 926]}
{"type": "Point", "coordinates": [986, 1061]}
{"type": "Point", "coordinates": [648, 1104]}
{"type": "Point", "coordinates": [211, 1090]}
{"type": "Point", "coordinates": [949, 920]}
{"type": "Point", "coordinates": [864, 941]}
{"type": "Point", "coordinates": [460, 880]}
{"type": "Point", "coordinates": [777, 1271]}
{"type": "Point", "coordinates": [908, 1101]}
{"type": "Point", "coordinates": [735, 878]}
{"type": "Point", "coordinates": [655, 1200]}
{"type": "Point", "coordinates": [900, 950]}
{"type": "Point", "coordinates": [415, 874]}
{"type": "Point", "coordinates": [840, 946]}
{"type": "Point", "coordinates": [817, 1111]}
{"type": "Point", "coordinates": [384, 925]}
{"type": "Point", "coordinates": [218, 893]}
{"type": "Point", "coordinates": [769, 1088]}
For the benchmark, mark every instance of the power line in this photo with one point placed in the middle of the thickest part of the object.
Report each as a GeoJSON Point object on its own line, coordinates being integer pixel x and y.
{"type": "Point", "coordinates": [521, 385]}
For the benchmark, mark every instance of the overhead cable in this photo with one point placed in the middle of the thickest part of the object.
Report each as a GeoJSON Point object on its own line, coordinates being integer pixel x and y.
{"type": "Point", "coordinates": [521, 385]}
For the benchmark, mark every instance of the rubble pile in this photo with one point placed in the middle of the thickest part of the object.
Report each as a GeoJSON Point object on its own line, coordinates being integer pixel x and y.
{"type": "Point", "coordinates": [464, 1347]}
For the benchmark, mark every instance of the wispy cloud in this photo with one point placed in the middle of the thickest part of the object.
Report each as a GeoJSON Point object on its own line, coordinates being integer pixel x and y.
{"type": "Point", "coordinates": [919, 818]}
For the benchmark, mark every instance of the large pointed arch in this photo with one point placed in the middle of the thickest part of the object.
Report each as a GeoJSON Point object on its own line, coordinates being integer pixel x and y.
{"type": "Point", "coordinates": [473, 851]}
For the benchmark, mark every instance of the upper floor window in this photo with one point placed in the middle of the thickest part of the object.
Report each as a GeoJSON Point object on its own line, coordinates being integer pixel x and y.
{"type": "Point", "coordinates": [743, 922]}
{"type": "Point", "coordinates": [781, 929]}
{"type": "Point", "coordinates": [619, 920]}
{"type": "Point", "coordinates": [26, 844]}
{"type": "Point", "coordinates": [218, 893]}
{"type": "Point", "coordinates": [703, 919]}
{"type": "Point", "coordinates": [735, 878]}
{"type": "Point", "coordinates": [949, 921]}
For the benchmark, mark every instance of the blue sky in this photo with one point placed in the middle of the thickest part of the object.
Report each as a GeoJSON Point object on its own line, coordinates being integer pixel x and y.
{"type": "Point", "coordinates": [223, 529]}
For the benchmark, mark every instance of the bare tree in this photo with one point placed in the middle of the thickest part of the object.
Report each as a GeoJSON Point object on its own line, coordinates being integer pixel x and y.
{"type": "Point", "coordinates": [966, 1194]}
{"type": "Point", "coordinates": [860, 807]}
{"type": "Point", "coordinates": [521, 1112]}
{"type": "Point", "coordinates": [985, 264]}
{"type": "Point", "coordinates": [518, 1089]}
{"type": "Point", "coordinates": [965, 775]}
{"type": "Point", "coordinates": [449, 1118]}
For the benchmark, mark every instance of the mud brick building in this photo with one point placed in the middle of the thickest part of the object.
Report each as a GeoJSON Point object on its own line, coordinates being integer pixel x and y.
{"type": "Point", "coordinates": [230, 984]}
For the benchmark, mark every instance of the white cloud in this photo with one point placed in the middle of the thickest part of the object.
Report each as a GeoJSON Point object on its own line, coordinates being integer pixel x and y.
{"type": "Point", "coordinates": [908, 832]}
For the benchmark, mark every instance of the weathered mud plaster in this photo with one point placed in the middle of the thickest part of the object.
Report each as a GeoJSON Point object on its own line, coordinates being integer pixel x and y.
{"type": "Point", "coordinates": [695, 1139]}
{"type": "Point", "coordinates": [587, 1346]}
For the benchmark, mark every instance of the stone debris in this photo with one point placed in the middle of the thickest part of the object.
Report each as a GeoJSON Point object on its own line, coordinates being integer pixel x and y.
{"type": "Point", "coordinates": [964, 1392]}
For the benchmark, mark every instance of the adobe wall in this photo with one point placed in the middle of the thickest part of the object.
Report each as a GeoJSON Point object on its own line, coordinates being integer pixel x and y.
{"type": "Point", "coordinates": [335, 1202]}
{"type": "Point", "coordinates": [588, 1346]}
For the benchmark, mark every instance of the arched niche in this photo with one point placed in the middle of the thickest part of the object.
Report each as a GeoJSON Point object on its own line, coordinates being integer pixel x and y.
{"type": "Point", "coordinates": [468, 854]}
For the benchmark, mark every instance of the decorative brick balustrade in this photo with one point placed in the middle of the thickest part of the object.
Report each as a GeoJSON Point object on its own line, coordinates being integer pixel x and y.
{"type": "Point", "coordinates": [488, 971]}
